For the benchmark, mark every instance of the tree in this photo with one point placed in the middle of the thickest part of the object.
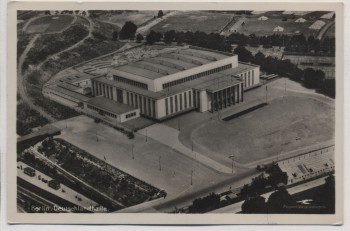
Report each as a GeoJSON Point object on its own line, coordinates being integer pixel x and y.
{"type": "Point", "coordinates": [205, 204]}
{"type": "Point", "coordinates": [313, 78]}
{"type": "Point", "coordinates": [169, 36]}
{"type": "Point", "coordinates": [160, 14]}
{"type": "Point", "coordinates": [153, 37]}
{"type": "Point", "coordinates": [115, 36]}
{"type": "Point", "coordinates": [279, 200]}
{"type": "Point", "coordinates": [128, 30]}
{"type": "Point", "coordinates": [254, 205]}
{"type": "Point", "coordinates": [139, 38]}
{"type": "Point", "coordinates": [259, 58]}
{"type": "Point", "coordinates": [243, 54]}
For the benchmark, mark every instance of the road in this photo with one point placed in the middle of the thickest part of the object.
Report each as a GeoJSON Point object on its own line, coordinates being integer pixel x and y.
{"type": "Point", "coordinates": [22, 77]}
{"type": "Point", "coordinates": [91, 28]}
{"type": "Point", "coordinates": [168, 204]}
{"type": "Point", "coordinates": [324, 30]}
{"type": "Point", "coordinates": [21, 81]}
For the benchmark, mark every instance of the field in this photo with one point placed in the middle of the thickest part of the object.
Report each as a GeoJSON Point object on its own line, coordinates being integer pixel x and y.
{"type": "Point", "coordinates": [194, 21]}
{"type": "Point", "coordinates": [49, 24]}
{"type": "Point", "coordinates": [297, 120]}
{"type": "Point", "coordinates": [254, 26]}
{"type": "Point", "coordinates": [136, 17]}
{"type": "Point", "coordinates": [266, 27]}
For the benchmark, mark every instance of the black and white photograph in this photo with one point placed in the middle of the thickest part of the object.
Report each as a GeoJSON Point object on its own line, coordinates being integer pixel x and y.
{"type": "Point", "coordinates": [157, 110]}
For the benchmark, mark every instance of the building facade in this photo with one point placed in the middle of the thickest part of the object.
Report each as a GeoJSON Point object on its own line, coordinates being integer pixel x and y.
{"type": "Point", "coordinates": [175, 82]}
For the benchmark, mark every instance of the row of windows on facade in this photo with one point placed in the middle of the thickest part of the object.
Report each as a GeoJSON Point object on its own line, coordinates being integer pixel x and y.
{"type": "Point", "coordinates": [199, 75]}
{"type": "Point", "coordinates": [130, 115]}
{"type": "Point", "coordinates": [182, 99]}
{"type": "Point", "coordinates": [130, 82]}
{"type": "Point", "coordinates": [147, 106]}
{"type": "Point", "coordinates": [102, 112]}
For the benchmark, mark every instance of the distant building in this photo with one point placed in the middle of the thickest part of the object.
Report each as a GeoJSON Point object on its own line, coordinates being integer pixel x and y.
{"type": "Point", "coordinates": [278, 29]}
{"type": "Point", "coordinates": [300, 20]}
{"type": "Point", "coordinates": [263, 18]}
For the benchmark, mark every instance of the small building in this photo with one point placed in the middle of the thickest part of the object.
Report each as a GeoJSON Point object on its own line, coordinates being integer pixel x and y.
{"type": "Point", "coordinates": [300, 20]}
{"type": "Point", "coordinates": [29, 171]}
{"type": "Point", "coordinates": [54, 184]}
{"type": "Point", "coordinates": [263, 18]}
{"type": "Point", "coordinates": [110, 111]}
{"type": "Point", "coordinates": [278, 29]}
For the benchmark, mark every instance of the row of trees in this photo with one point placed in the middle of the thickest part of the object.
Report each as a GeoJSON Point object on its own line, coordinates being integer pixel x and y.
{"type": "Point", "coordinates": [294, 43]}
{"type": "Point", "coordinates": [310, 78]}
{"type": "Point", "coordinates": [281, 201]}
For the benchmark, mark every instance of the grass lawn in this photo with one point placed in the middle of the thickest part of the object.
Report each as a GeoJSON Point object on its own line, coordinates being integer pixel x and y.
{"type": "Point", "coordinates": [194, 21]}
{"type": "Point", "coordinates": [49, 24]}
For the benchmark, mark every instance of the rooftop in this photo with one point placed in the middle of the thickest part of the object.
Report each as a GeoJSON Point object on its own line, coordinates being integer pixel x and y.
{"type": "Point", "coordinates": [214, 82]}
{"type": "Point", "coordinates": [110, 105]}
{"type": "Point", "coordinates": [71, 93]}
{"type": "Point", "coordinates": [77, 77]}
{"type": "Point", "coordinates": [171, 62]}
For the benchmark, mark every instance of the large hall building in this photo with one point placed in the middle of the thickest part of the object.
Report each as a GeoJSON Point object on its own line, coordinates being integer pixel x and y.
{"type": "Point", "coordinates": [177, 81]}
{"type": "Point", "coordinates": [159, 85]}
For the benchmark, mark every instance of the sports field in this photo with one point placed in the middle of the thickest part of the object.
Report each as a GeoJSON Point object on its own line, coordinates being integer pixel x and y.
{"type": "Point", "coordinates": [49, 24]}
{"type": "Point", "coordinates": [138, 17]}
{"type": "Point", "coordinates": [194, 21]}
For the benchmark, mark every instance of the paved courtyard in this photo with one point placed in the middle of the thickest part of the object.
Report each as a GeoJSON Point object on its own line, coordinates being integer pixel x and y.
{"type": "Point", "coordinates": [295, 118]}
{"type": "Point", "coordinates": [153, 162]}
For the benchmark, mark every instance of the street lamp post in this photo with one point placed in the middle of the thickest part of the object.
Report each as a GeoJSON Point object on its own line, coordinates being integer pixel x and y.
{"type": "Point", "coordinates": [160, 167]}
{"type": "Point", "coordinates": [191, 177]}
{"type": "Point", "coordinates": [132, 151]}
{"type": "Point", "coordinates": [146, 134]}
{"type": "Point", "coordinates": [232, 157]}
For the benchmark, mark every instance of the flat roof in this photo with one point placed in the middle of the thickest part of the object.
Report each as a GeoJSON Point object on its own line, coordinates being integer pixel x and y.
{"type": "Point", "coordinates": [77, 77]}
{"type": "Point", "coordinates": [213, 82]}
{"type": "Point", "coordinates": [216, 55]}
{"type": "Point", "coordinates": [110, 105]}
{"type": "Point", "coordinates": [139, 71]}
{"type": "Point", "coordinates": [177, 62]}
{"type": "Point", "coordinates": [71, 93]}
{"type": "Point", "coordinates": [196, 54]}
{"type": "Point", "coordinates": [68, 86]}
{"type": "Point", "coordinates": [170, 70]}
